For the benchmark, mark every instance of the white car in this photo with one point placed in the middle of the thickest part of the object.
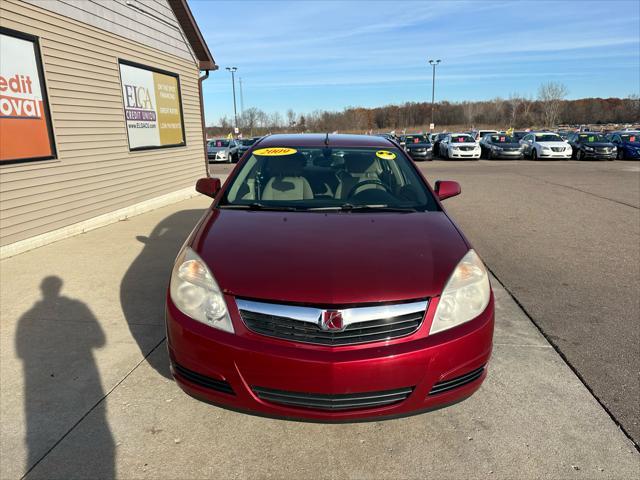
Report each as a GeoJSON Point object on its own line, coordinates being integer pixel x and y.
{"type": "Point", "coordinates": [459, 146]}
{"type": "Point", "coordinates": [545, 145]}
{"type": "Point", "coordinates": [479, 135]}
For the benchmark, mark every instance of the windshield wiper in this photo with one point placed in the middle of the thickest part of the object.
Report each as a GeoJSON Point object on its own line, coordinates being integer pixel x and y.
{"type": "Point", "coordinates": [260, 206]}
{"type": "Point", "coordinates": [348, 207]}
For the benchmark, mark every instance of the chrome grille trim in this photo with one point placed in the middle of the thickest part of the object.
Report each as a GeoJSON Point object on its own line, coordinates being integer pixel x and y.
{"type": "Point", "coordinates": [361, 324]}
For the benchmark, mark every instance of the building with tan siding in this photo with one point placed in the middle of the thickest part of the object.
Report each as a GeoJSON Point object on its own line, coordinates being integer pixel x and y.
{"type": "Point", "coordinates": [100, 113]}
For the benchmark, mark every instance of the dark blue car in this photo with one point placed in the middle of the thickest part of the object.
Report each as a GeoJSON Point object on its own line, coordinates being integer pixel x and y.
{"type": "Point", "coordinates": [628, 144]}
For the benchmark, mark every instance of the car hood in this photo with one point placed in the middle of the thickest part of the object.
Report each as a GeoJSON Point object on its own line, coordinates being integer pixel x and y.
{"type": "Point", "coordinates": [217, 149]}
{"type": "Point", "coordinates": [599, 145]}
{"type": "Point", "coordinates": [329, 258]}
{"type": "Point", "coordinates": [418, 145]}
{"type": "Point", "coordinates": [553, 144]}
{"type": "Point", "coordinates": [463, 144]}
{"type": "Point", "coordinates": [506, 145]}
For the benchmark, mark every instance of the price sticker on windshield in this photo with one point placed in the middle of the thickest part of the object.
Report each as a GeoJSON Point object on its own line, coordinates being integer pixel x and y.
{"type": "Point", "coordinates": [385, 155]}
{"type": "Point", "coordinates": [275, 151]}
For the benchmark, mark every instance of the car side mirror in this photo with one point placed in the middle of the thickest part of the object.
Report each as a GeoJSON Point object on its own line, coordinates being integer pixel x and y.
{"type": "Point", "coordinates": [208, 186]}
{"type": "Point", "coordinates": [447, 188]}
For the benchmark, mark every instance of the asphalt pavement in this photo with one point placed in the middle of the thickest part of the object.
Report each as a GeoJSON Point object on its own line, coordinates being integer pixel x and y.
{"type": "Point", "coordinates": [564, 239]}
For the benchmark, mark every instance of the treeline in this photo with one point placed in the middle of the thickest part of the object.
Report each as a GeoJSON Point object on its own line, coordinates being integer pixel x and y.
{"type": "Point", "coordinates": [547, 110]}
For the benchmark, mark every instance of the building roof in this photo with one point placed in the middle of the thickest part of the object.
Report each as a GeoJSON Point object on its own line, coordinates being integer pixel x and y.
{"type": "Point", "coordinates": [190, 28]}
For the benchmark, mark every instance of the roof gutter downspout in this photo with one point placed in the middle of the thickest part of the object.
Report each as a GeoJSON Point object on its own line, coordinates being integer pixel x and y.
{"type": "Point", "coordinates": [204, 127]}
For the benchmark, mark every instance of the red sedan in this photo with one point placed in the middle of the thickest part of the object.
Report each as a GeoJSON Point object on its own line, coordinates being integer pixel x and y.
{"type": "Point", "coordinates": [327, 282]}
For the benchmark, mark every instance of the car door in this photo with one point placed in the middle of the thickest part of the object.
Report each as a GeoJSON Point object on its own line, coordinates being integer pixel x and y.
{"type": "Point", "coordinates": [526, 144]}
{"type": "Point", "coordinates": [444, 145]}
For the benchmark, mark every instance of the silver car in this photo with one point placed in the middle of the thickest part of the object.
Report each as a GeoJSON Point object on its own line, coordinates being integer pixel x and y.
{"type": "Point", "coordinates": [222, 150]}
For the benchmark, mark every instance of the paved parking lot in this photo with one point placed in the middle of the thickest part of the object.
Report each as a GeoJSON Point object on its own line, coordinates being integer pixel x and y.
{"type": "Point", "coordinates": [85, 388]}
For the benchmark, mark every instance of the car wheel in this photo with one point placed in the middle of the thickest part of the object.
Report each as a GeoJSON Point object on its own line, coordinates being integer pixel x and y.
{"type": "Point", "coordinates": [580, 155]}
{"type": "Point", "coordinates": [620, 154]}
{"type": "Point", "coordinates": [534, 154]}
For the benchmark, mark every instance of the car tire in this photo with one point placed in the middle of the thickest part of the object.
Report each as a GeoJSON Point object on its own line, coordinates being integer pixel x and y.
{"type": "Point", "coordinates": [580, 155]}
{"type": "Point", "coordinates": [534, 154]}
{"type": "Point", "coordinates": [620, 154]}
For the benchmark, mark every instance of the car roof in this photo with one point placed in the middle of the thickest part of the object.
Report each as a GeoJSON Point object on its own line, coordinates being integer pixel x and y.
{"type": "Point", "coordinates": [318, 140]}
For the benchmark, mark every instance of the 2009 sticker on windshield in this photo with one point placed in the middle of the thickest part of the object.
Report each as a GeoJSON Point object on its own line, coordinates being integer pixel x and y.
{"type": "Point", "coordinates": [275, 151]}
{"type": "Point", "coordinates": [385, 155]}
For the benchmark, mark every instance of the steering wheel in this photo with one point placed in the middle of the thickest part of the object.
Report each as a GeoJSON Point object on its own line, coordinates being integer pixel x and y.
{"type": "Point", "coordinates": [367, 182]}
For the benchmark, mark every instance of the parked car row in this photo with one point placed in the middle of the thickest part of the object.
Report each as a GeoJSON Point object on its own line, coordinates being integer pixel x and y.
{"type": "Point", "coordinates": [514, 145]}
{"type": "Point", "coordinates": [228, 150]}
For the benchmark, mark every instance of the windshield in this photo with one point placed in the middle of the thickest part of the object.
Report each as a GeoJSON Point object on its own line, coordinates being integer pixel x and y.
{"type": "Point", "coordinates": [416, 139]}
{"type": "Point", "coordinates": [548, 137]}
{"type": "Point", "coordinates": [519, 135]}
{"type": "Point", "coordinates": [630, 137]}
{"type": "Point", "coordinates": [503, 139]}
{"type": "Point", "coordinates": [247, 142]}
{"type": "Point", "coordinates": [591, 138]}
{"type": "Point", "coordinates": [462, 139]}
{"type": "Point", "coordinates": [221, 143]}
{"type": "Point", "coordinates": [315, 178]}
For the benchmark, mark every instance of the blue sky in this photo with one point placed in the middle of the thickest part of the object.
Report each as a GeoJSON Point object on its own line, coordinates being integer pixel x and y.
{"type": "Point", "coordinates": [331, 54]}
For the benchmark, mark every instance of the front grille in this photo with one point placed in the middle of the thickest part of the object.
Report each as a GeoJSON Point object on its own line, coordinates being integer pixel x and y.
{"type": "Point", "coordinates": [466, 149]}
{"type": "Point", "coordinates": [203, 380]}
{"type": "Point", "coordinates": [447, 385]}
{"type": "Point", "coordinates": [344, 401]}
{"type": "Point", "coordinates": [392, 321]}
{"type": "Point", "coordinates": [557, 149]}
{"type": "Point", "coordinates": [603, 150]}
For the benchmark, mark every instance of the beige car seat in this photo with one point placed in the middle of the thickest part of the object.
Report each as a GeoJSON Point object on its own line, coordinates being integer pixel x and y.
{"type": "Point", "coordinates": [287, 182]}
{"type": "Point", "coordinates": [359, 167]}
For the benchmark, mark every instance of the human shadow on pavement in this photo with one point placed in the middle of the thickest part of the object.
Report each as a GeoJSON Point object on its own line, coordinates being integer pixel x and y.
{"type": "Point", "coordinates": [55, 340]}
{"type": "Point", "coordinates": [144, 285]}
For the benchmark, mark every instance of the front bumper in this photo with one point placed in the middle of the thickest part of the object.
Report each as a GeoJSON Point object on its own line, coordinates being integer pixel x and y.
{"type": "Point", "coordinates": [469, 155]}
{"type": "Point", "coordinates": [546, 155]}
{"type": "Point", "coordinates": [428, 155]}
{"type": "Point", "coordinates": [600, 156]}
{"type": "Point", "coordinates": [517, 155]}
{"type": "Point", "coordinates": [246, 363]}
{"type": "Point", "coordinates": [216, 159]}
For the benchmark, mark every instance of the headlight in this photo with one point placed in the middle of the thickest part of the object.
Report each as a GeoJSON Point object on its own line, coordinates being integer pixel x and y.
{"type": "Point", "coordinates": [546, 148]}
{"type": "Point", "coordinates": [465, 296]}
{"type": "Point", "coordinates": [588, 148]}
{"type": "Point", "coordinates": [495, 147]}
{"type": "Point", "coordinates": [195, 292]}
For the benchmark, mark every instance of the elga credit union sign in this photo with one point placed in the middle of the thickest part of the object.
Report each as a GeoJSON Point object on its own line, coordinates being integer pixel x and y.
{"type": "Point", "coordinates": [152, 107]}
{"type": "Point", "coordinates": [25, 123]}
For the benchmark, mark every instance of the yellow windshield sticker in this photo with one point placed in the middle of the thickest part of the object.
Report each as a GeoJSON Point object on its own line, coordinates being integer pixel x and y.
{"type": "Point", "coordinates": [385, 155]}
{"type": "Point", "coordinates": [274, 151]}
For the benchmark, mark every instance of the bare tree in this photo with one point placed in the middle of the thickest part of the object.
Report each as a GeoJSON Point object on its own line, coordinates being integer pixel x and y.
{"type": "Point", "coordinates": [514, 104]}
{"type": "Point", "coordinates": [291, 118]}
{"type": "Point", "coordinates": [551, 96]}
{"type": "Point", "coordinates": [470, 111]}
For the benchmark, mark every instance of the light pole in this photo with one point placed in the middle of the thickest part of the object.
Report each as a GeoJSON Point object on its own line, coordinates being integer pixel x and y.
{"type": "Point", "coordinates": [433, 63]}
{"type": "Point", "coordinates": [241, 99]}
{"type": "Point", "coordinates": [233, 70]}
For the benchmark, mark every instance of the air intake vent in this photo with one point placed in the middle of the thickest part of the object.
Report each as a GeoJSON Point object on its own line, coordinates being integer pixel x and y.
{"type": "Point", "coordinates": [347, 401]}
{"type": "Point", "coordinates": [202, 380]}
{"type": "Point", "coordinates": [447, 385]}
